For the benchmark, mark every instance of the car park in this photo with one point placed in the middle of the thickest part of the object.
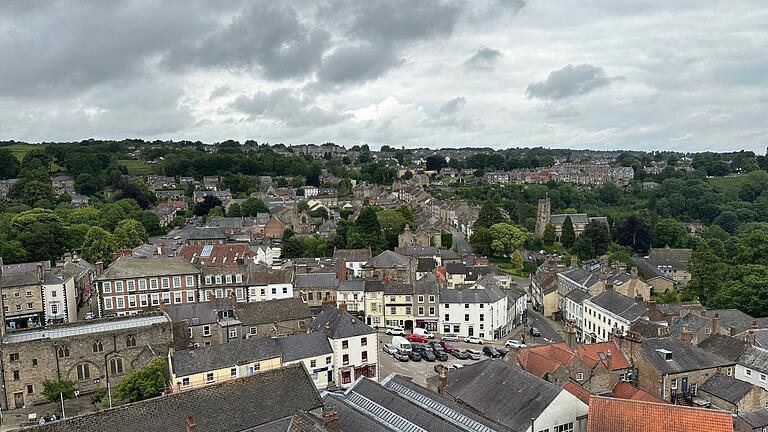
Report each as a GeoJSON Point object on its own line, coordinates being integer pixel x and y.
{"type": "Point", "coordinates": [440, 354]}
{"type": "Point", "coordinates": [426, 352]}
{"type": "Point", "coordinates": [491, 352]}
{"type": "Point", "coordinates": [473, 340]}
{"type": "Point", "coordinates": [457, 366]}
{"type": "Point", "coordinates": [401, 355]}
{"type": "Point", "coordinates": [401, 343]}
{"type": "Point", "coordinates": [450, 337]}
{"type": "Point", "coordinates": [414, 356]}
{"type": "Point", "coordinates": [446, 346]}
{"type": "Point", "coordinates": [459, 354]}
{"type": "Point", "coordinates": [502, 351]}
{"type": "Point", "coordinates": [473, 354]}
{"type": "Point", "coordinates": [514, 343]}
{"type": "Point", "coordinates": [395, 331]}
{"type": "Point", "coordinates": [535, 332]}
{"type": "Point", "coordinates": [423, 332]}
{"type": "Point", "coordinates": [390, 349]}
{"type": "Point", "coordinates": [413, 337]}
{"type": "Point", "coordinates": [435, 345]}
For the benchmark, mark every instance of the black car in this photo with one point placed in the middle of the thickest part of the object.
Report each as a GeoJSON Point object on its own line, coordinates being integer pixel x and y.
{"type": "Point", "coordinates": [491, 352]}
{"type": "Point", "coordinates": [428, 355]}
{"type": "Point", "coordinates": [459, 354]}
{"type": "Point", "coordinates": [414, 355]}
{"type": "Point", "coordinates": [535, 332]}
{"type": "Point", "coordinates": [435, 345]}
{"type": "Point", "coordinates": [441, 355]}
{"type": "Point", "coordinates": [502, 351]}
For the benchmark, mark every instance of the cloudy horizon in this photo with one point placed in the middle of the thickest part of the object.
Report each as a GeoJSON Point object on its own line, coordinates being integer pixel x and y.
{"type": "Point", "coordinates": [656, 75]}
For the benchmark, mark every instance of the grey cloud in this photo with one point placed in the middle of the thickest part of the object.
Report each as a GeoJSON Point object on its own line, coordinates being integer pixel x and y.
{"type": "Point", "coordinates": [570, 81]}
{"type": "Point", "coordinates": [484, 59]}
{"type": "Point", "coordinates": [389, 21]}
{"type": "Point", "coordinates": [453, 106]}
{"type": "Point", "coordinates": [357, 63]}
{"type": "Point", "coordinates": [286, 106]}
{"type": "Point", "coordinates": [267, 35]}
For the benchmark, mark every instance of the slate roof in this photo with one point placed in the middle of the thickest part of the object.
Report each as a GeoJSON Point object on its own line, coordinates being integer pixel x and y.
{"type": "Point", "coordinates": [316, 280]}
{"type": "Point", "coordinates": [234, 405]}
{"type": "Point", "coordinates": [269, 311]}
{"type": "Point", "coordinates": [694, 322]}
{"type": "Point", "coordinates": [727, 347]}
{"type": "Point", "coordinates": [581, 276]}
{"type": "Point", "coordinates": [487, 295]}
{"type": "Point", "coordinates": [755, 358]}
{"type": "Point", "coordinates": [426, 265]}
{"type": "Point", "coordinates": [677, 258]}
{"type": "Point", "coordinates": [448, 254]}
{"type": "Point", "coordinates": [355, 255]}
{"type": "Point", "coordinates": [374, 286]}
{"type": "Point", "coordinates": [398, 288]}
{"type": "Point", "coordinates": [388, 259]}
{"type": "Point", "coordinates": [726, 388]}
{"type": "Point", "coordinates": [207, 233]}
{"type": "Point", "coordinates": [733, 319]}
{"type": "Point", "coordinates": [649, 329]}
{"type": "Point", "coordinates": [578, 296]}
{"type": "Point", "coordinates": [19, 276]}
{"type": "Point", "coordinates": [626, 415]}
{"type": "Point", "coordinates": [130, 267]}
{"type": "Point", "coordinates": [685, 357]}
{"type": "Point", "coordinates": [620, 305]}
{"type": "Point", "coordinates": [340, 325]}
{"type": "Point", "coordinates": [215, 255]}
{"type": "Point", "coordinates": [193, 313]}
{"type": "Point", "coordinates": [238, 351]}
{"type": "Point", "coordinates": [756, 419]}
{"type": "Point", "coordinates": [266, 277]}
{"type": "Point", "coordinates": [352, 285]}
{"type": "Point", "coordinates": [426, 285]}
{"type": "Point", "coordinates": [576, 218]}
{"type": "Point", "coordinates": [501, 392]}
{"type": "Point", "coordinates": [455, 268]}
{"type": "Point", "coordinates": [413, 250]}
{"type": "Point", "coordinates": [302, 346]}
{"type": "Point", "coordinates": [648, 270]}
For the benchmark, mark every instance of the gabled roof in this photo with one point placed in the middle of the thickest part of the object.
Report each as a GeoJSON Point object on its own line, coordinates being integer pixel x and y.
{"type": "Point", "coordinates": [625, 390]}
{"type": "Point", "coordinates": [388, 259]}
{"type": "Point", "coordinates": [351, 285]}
{"type": "Point", "coordinates": [193, 313]}
{"type": "Point", "coordinates": [340, 325]}
{"type": "Point", "coordinates": [303, 346]}
{"type": "Point", "coordinates": [576, 218]}
{"type": "Point", "coordinates": [685, 357]}
{"type": "Point", "coordinates": [230, 354]}
{"type": "Point", "coordinates": [649, 329]}
{"type": "Point", "coordinates": [726, 388]}
{"type": "Point", "coordinates": [216, 255]}
{"type": "Point", "coordinates": [426, 265]}
{"type": "Point", "coordinates": [502, 392]}
{"type": "Point", "coordinates": [487, 295]}
{"type": "Point", "coordinates": [353, 255]}
{"type": "Point", "coordinates": [756, 419]}
{"type": "Point", "coordinates": [595, 353]}
{"type": "Point", "coordinates": [231, 406]}
{"type": "Point", "coordinates": [128, 267]}
{"type": "Point", "coordinates": [577, 390]}
{"type": "Point", "coordinates": [207, 233]}
{"type": "Point", "coordinates": [627, 415]}
{"type": "Point", "coordinates": [620, 305]}
{"type": "Point", "coordinates": [268, 276]}
{"type": "Point", "coordinates": [694, 322]}
{"type": "Point", "coordinates": [545, 359]}
{"type": "Point", "coordinates": [270, 311]}
{"type": "Point", "coordinates": [755, 358]}
{"type": "Point", "coordinates": [316, 280]}
{"type": "Point", "coordinates": [580, 276]}
{"type": "Point", "coordinates": [727, 347]}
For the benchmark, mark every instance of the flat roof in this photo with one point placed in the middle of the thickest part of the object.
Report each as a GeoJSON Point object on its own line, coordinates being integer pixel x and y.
{"type": "Point", "coordinates": [86, 328]}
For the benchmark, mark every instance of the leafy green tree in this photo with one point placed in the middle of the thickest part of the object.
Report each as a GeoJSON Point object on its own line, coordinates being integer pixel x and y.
{"type": "Point", "coordinates": [620, 253]}
{"type": "Point", "coordinates": [407, 213]}
{"type": "Point", "coordinates": [728, 221]}
{"type": "Point", "coordinates": [567, 235]}
{"type": "Point", "coordinates": [151, 223]}
{"type": "Point", "coordinates": [550, 234]}
{"type": "Point", "coordinates": [708, 272]}
{"type": "Point", "coordinates": [481, 240]}
{"type": "Point", "coordinates": [507, 238]}
{"type": "Point", "coordinates": [217, 211]}
{"type": "Point", "coordinates": [435, 163]}
{"type": "Point", "coordinates": [234, 210]}
{"type": "Point", "coordinates": [144, 383]}
{"type": "Point", "coordinates": [252, 207]}
{"type": "Point", "coordinates": [9, 164]}
{"type": "Point", "coordinates": [130, 233]}
{"type": "Point", "coordinates": [635, 233]}
{"type": "Point", "coordinates": [209, 202]}
{"type": "Point", "coordinates": [41, 238]}
{"type": "Point", "coordinates": [669, 232]}
{"type": "Point", "coordinates": [99, 245]}
{"type": "Point", "coordinates": [12, 251]}
{"type": "Point", "coordinates": [488, 216]}
{"type": "Point", "coordinates": [596, 233]}
{"type": "Point", "coordinates": [53, 390]}
{"type": "Point", "coordinates": [32, 190]}
{"type": "Point", "coordinates": [392, 224]}
{"type": "Point", "coordinates": [583, 248]}
{"type": "Point", "coordinates": [446, 239]}
{"type": "Point", "coordinates": [746, 289]}
{"type": "Point", "coordinates": [87, 184]}
{"type": "Point", "coordinates": [344, 188]}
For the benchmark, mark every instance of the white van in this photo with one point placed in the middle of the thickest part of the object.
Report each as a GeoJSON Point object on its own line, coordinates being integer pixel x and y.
{"type": "Point", "coordinates": [423, 332]}
{"type": "Point", "coordinates": [401, 343]}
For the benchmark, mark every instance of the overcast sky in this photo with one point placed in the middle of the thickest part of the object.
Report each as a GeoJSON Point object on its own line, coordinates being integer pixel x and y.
{"type": "Point", "coordinates": [652, 74]}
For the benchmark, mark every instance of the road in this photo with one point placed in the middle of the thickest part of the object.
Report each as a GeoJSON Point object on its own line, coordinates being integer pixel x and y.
{"type": "Point", "coordinates": [547, 330]}
{"type": "Point", "coordinates": [462, 246]}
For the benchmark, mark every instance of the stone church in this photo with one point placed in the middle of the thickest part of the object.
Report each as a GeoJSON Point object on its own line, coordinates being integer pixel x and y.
{"type": "Point", "coordinates": [544, 216]}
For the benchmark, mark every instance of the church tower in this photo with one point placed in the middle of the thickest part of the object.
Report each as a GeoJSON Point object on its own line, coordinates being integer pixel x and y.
{"type": "Point", "coordinates": [542, 216]}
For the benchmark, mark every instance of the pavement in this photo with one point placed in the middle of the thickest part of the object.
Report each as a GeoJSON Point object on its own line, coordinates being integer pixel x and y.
{"type": "Point", "coordinates": [549, 329]}
{"type": "Point", "coordinates": [462, 246]}
{"type": "Point", "coordinates": [18, 418]}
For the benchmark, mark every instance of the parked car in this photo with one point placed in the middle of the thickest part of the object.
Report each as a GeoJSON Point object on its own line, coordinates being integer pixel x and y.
{"type": "Point", "coordinates": [459, 354]}
{"type": "Point", "coordinates": [514, 343]}
{"type": "Point", "coordinates": [450, 337]}
{"type": "Point", "coordinates": [440, 354]}
{"type": "Point", "coordinates": [390, 349]}
{"type": "Point", "coordinates": [423, 332]}
{"type": "Point", "coordinates": [502, 351]}
{"type": "Point", "coordinates": [446, 346]}
{"type": "Point", "coordinates": [491, 352]}
{"type": "Point", "coordinates": [457, 366]}
{"type": "Point", "coordinates": [426, 352]}
{"type": "Point", "coordinates": [473, 340]}
{"type": "Point", "coordinates": [414, 356]}
{"type": "Point", "coordinates": [473, 354]}
{"type": "Point", "coordinates": [401, 355]}
{"type": "Point", "coordinates": [395, 331]}
{"type": "Point", "coordinates": [435, 345]}
{"type": "Point", "coordinates": [535, 332]}
{"type": "Point", "coordinates": [401, 343]}
{"type": "Point", "coordinates": [413, 337]}
{"type": "Point", "coordinates": [48, 419]}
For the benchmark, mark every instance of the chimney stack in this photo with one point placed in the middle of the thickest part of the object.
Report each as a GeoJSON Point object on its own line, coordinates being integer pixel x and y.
{"type": "Point", "coordinates": [443, 381]}
{"type": "Point", "coordinates": [332, 421]}
{"type": "Point", "coordinates": [40, 272]}
{"type": "Point", "coordinates": [686, 335]}
{"type": "Point", "coordinates": [574, 261]}
{"type": "Point", "coordinates": [750, 338]}
{"type": "Point", "coordinates": [570, 336]}
{"type": "Point", "coordinates": [716, 324]}
{"type": "Point", "coordinates": [342, 307]}
{"type": "Point", "coordinates": [633, 272]}
{"type": "Point", "coordinates": [99, 268]}
{"type": "Point", "coordinates": [609, 359]}
{"type": "Point", "coordinates": [191, 425]}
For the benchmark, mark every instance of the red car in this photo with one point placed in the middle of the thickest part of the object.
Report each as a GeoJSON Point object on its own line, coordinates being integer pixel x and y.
{"type": "Point", "coordinates": [416, 338]}
{"type": "Point", "coordinates": [446, 346]}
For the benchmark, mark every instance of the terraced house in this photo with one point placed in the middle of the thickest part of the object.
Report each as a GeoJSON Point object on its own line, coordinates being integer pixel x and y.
{"type": "Point", "coordinates": [134, 284]}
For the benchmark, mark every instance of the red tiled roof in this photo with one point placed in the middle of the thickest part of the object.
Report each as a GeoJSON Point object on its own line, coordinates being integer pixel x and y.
{"type": "Point", "coordinates": [217, 255]}
{"type": "Point", "coordinates": [625, 390]}
{"type": "Point", "coordinates": [545, 359]}
{"type": "Point", "coordinates": [627, 415]}
{"type": "Point", "coordinates": [575, 389]}
{"type": "Point", "coordinates": [590, 354]}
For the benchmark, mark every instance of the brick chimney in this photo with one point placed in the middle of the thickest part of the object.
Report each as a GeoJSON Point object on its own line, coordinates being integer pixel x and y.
{"type": "Point", "coordinates": [332, 421]}
{"type": "Point", "coordinates": [716, 323]}
{"type": "Point", "coordinates": [214, 302]}
{"type": "Point", "coordinates": [191, 425]}
{"type": "Point", "coordinates": [99, 268]}
{"type": "Point", "coordinates": [443, 381]}
{"type": "Point", "coordinates": [609, 360]}
{"type": "Point", "coordinates": [342, 307]}
{"type": "Point", "coordinates": [233, 299]}
{"type": "Point", "coordinates": [686, 335]}
{"type": "Point", "coordinates": [40, 272]}
{"type": "Point", "coordinates": [570, 336]}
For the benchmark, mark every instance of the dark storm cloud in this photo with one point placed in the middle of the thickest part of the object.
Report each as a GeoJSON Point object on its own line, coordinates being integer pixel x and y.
{"type": "Point", "coordinates": [286, 106]}
{"type": "Point", "coordinates": [267, 35]}
{"type": "Point", "coordinates": [357, 63]}
{"type": "Point", "coordinates": [484, 59]}
{"type": "Point", "coordinates": [570, 81]}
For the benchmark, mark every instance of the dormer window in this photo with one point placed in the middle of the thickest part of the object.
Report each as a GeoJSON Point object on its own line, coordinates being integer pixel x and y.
{"type": "Point", "coordinates": [665, 354]}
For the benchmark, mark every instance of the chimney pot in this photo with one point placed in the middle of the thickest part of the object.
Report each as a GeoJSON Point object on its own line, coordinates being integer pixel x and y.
{"type": "Point", "coordinates": [686, 335]}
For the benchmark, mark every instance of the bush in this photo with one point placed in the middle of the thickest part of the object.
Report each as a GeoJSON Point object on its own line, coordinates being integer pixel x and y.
{"type": "Point", "coordinates": [143, 383]}
{"type": "Point", "coordinates": [53, 390]}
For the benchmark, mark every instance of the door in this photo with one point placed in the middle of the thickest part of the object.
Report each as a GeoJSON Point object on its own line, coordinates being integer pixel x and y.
{"type": "Point", "coordinates": [684, 385]}
{"type": "Point", "coordinates": [18, 399]}
{"type": "Point", "coordinates": [330, 376]}
{"type": "Point", "coordinates": [471, 331]}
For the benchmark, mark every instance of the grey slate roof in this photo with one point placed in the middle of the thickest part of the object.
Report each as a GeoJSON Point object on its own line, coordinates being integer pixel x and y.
{"type": "Point", "coordinates": [388, 259]}
{"type": "Point", "coordinates": [352, 285]}
{"type": "Point", "coordinates": [426, 285]}
{"type": "Point", "coordinates": [733, 319]}
{"type": "Point", "coordinates": [354, 255]}
{"type": "Point", "coordinates": [502, 392]}
{"type": "Point", "coordinates": [127, 267]}
{"type": "Point", "coordinates": [488, 295]}
{"type": "Point", "coordinates": [301, 346]}
{"type": "Point", "coordinates": [398, 288]}
{"type": "Point", "coordinates": [685, 357]}
{"type": "Point", "coordinates": [727, 388]}
{"type": "Point", "coordinates": [455, 268]}
{"type": "Point", "coordinates": [193, 313]}
{"type": "Point", "coordinates": [578, 295]}
{"type": "Point", "coordinates": [188, 362]}
{"type": "Point", "coordinates": [727, 347]}
{"type": "Point", "coordinates": [576, 218]}
{"type": "Point", "coordinates": [231, 406]}
{"type": "Point", "coordinates": [413, 250]}
{"type": "Point", "coordinates": [694, 322]}
{"type": "Point", "coordinates": [426, 265]}
{"type": "Point", "coordinates": [207, 233]}
{"type": "Point", "coordinates": [448, 254]}
{"type": "Point", "coordinates": [269, 311]}
{"type": "Point", "coordinates": [581, 276]}
{"type": "Point", "coordinates": [316, 280]}
{"type": "Point", "coordinates": [756, 419]}
{"type": "Point", "coordinates": [755, 358]}
{"type": "Point", "coordinates": [339, 325]}
{"type": "Point", "coordinates": [648, 329]}
{"type": "Point", "coordinates": [620, 305]}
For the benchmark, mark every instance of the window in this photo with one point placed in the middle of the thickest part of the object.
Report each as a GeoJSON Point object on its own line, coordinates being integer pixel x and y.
{"type": "Point", "coordinates": [106, 287]}
{"type": "Point", "coordinates": [466, 317]}
{"type": "Point", "coordinates": [345, 359]}
{"type": "Point", "coordinates": [233, 372]}
{"type": "Point", "coordinates": [446, 305]}
{"type": "Point", "coordinates": [206, 330]}
{"type": "Point", "coordinates": [18, 307]}
{"type": "Point", "coordinates": [482, 317]}
{"type": "Point", "coordinates": [466, 305]}
{"type": "Point", "coordinates": [252, 330]}
{"type": "Point", "coordinates": [431, 299]}
{"type": "Point", "coordinates": [209, 377]}
{"type": "Point", "coordinates": [431, 311]}
{"type": "Point", "coordinates": [762, 377]}
{"type": "Point", "coordinates": [185, 382]}
{"type": "Point", "coordinates": [63, 352]}
{"type": "Point", "coordinates": [130, 285]}
{"type": "Point", "coordinates": [97, 346]}
{"type": "Point", "coordinates": [447, 317]}
{"type": "Point", "coordinates": [177, 297]}
{"type": "Point", "coordinates": [408, 310]}
{"type": "Point", "coordinates": [364, 341]}
{"type": "Point", "coordinates": [116, 366]}
{"type": "Point", "coordinates": [285, 291]}
{"type": "Point", "coordinates": [344, 344]}
{"type": "Point", "coordinates": [132, 301]}
{"type": "Point", "coordinates": [274, 290]}
{"type": "Point", "coordinates": [748, 372]}
{"type": "Point", "coordinates": [177, 281]}
{"type": "Point", "coordinates": [54, 293]}
{"type": "Point", "coordinates": [16, 375]}
{"type": "Point", "coordinates": [218, 279]}
{"type": "Point", "coordinates": [365, 356]}
{"type": "Point", "coordinates": [29, 293]}
{"type": "Point", "coordinates": [446, 328]}
{"type": "Point", "coordinates": [208, 279]}
{"type": "Point", "coordinates": [233, 333]}
{"type": "Point", "coordinates": [83, 372]}
{"type": "Point", "coordinates": [30, 306]}
{"type": "Point", "coordinates": [346, 377]}
{"type": "Point", "coordinates": [13, 357]}
{"type": "Point", "coordinates": [153, 284]}
{"type": "Point", "coordinates": [130, 341]}
{"type": "Point", "coordinates": [567, 427]}
{"type": "Point", "coordinates": [167, 298]}
{"type": "Point", "coordinates": [482, 305]}
{"type": "Point", "coordinates": [393, 310]}
{"type": "Point", "coordinates": [17, 295]}
{"type": "Point", "coordinates": [420, 299]}
{"type": "Point", "coordinates": [30, 389]}
{"type": "Point", "coordinates": [155, 299]}
{"type": "Point", "coordinates": [579, 376]}
{"type": "Point", "coordinates": [34, 362]}
{"type": "Point", "coordinates": [119, 286]}
{"type": "Point", "coordinates": [421, 310]}
{"type": "Point", "coordinates": [328, 360]}
{"type": "Point", "coordinates": [313, 363]}
{"type": "Point", "coordinates": [120, 303]}
{"type": "Point", "coordinates": [228, 278]}
{"type": "Point", "coordinates": [190, 281]}
{"type": "Point", "coordinates": [142, 284]}
{"type": "Point", "coordinates": [673, 384]}
{"type": "Point", "coordinates": [239, 278]}
{"type": "Point", "coordinates": [190, 296]}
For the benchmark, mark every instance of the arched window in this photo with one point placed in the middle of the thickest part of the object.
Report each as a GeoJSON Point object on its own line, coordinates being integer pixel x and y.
{"type": "Point", "coordinates": [83, 372]}
{"type": "Point", "coordinates": [63, 351]}
{"type": "Point", "coordinates": [116, 366]}
{"type": "Point", "coordinates": [98, 346]}
{"type": "Point", "coordinates": [130, 341]}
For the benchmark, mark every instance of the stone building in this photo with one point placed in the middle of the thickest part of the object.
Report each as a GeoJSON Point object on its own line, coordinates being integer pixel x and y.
{"type": "Point", "coordinates": [92, 354]}
{"type": "Point", "coordinates": [545, 217]}
{"type": "Point", "coordinates": [729, 393]}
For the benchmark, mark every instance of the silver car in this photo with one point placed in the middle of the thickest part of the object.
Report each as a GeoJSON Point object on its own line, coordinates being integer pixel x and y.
{"type": "Point", "coordinates": [390, 349]}
{"type": "Point", "coordinates": [473, 354]}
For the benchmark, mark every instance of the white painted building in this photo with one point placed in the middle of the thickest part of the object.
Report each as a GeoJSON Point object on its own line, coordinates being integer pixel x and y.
{"type": "Point", "coordinates": [270, 285]}
{"type": "Point", "coordinates": [355, 346]}
{"type": "Point", "coordinates": [266, 255]}
{"type": "Point", "coordinates": [314, 351]}
{"type": "Point", "coordinates": [310, 191]}
{"type": "Point", "coordinates": [352, 294]}
{"type": "Point", "coordinates": [60, 298]}
{"type": "Point", "coordinates": [607, 312]}
{"type": "Point", "coordinates": [752, 367]}
{"type": "Point", "coordinates": [479, 311]}
{"type": "Point", "coordinates": [573, 309]}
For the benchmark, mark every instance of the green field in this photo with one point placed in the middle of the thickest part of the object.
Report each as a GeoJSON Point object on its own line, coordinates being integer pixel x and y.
{"type": "Point", "coordinates": [19, 150]}
{"type": "Point", "coordinates": [136, 167]}
{"type": "Point", "coordinates": [729, 185]}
